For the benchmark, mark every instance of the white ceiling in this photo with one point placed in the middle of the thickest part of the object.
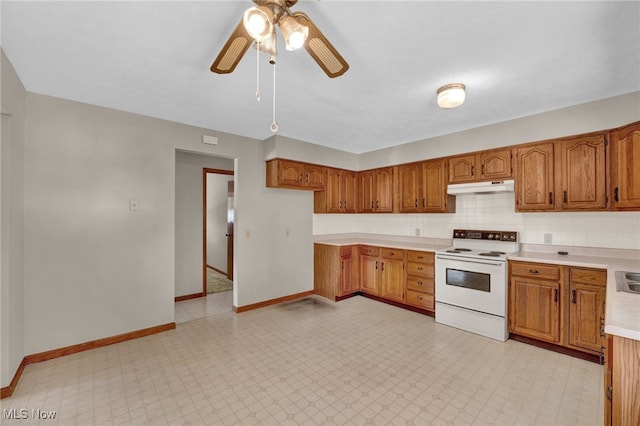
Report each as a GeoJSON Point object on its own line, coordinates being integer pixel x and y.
{"type": "Point", "coordinates": [153, 58]}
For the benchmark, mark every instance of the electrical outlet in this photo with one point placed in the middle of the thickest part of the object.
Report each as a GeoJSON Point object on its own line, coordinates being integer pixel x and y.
{"type": "Point", "coordinates": [417, 232]}
{"type": "Point", "coordinates": [247, 234]}
{"type": "Point", "coordinates": [548, 238]}
{"type": "Point", "coordinates": [133, 205]}
{"type": "Point", "coordinates": [286, 232]}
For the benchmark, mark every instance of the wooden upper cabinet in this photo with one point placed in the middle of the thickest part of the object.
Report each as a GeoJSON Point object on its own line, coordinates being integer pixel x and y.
{"type": "Point", "coordinates": [462, 169]}
{"type": "Point", "coordinates": [625, 168]}
{"type": "Point", "coordinates": [295, 175]}
{"type": "Point", "coordinates": [434, 188]}
{"type": "Point", "coordinates": [409, 180]}
{"type": "Point", "coordinates": [495, 164]}
{"type": "Point", "coordinates": [376, 191]}
{"type": "Point", "coordinates": [583, 171]}
{"type": "Point", "coordinates": [423, 188]}
{"type": "Point", "coordinates": [339, 195]}
{"type": "Point", "coordinates": [535, 183]}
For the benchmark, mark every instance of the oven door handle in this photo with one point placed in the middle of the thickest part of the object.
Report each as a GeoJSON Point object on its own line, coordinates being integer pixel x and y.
{"type": "Point", "coordinates": [458, 259]}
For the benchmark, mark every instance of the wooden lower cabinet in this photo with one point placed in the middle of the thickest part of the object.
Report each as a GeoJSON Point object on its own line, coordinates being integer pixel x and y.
{"type": "Point", "coordinates": [335, 270]}
{"type": "Point", "coordinates": [392, 274]}
{"type": "Point", "coordinates": [622, 382]}
{"type": "Point", "coordinates": [420, 280]}
{"type": "Point", "coordinates": [403, 277]}
{"type": "Point", "coordinates": [562, 305]}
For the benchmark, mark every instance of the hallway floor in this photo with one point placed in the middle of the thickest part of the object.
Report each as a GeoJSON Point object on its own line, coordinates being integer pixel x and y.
{"type": "Point", "coordinates": [314, 362]}
{"type": "Point", "coordinates": [201, 307]}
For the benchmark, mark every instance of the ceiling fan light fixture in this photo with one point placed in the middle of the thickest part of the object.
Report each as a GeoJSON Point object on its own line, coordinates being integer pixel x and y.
{"type": "Point", "coordinates": [258, 21]}
{"type": "Point", "coordinates": [451, 95]}
{"type": "Point", "coordinates": [294, 33]}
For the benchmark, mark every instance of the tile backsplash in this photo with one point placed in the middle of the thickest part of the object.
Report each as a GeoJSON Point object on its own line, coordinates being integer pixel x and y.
{"type": "Point", "coordinates": [496, 212]}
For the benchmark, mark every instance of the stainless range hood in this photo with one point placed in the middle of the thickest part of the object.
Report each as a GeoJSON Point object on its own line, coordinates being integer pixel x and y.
{"type": "Point", "coordinates": [481, 187]}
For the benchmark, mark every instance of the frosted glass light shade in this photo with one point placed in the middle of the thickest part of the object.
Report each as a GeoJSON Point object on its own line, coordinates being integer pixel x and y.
{"type": "Point", "coordinates": [451, 95]}
{"type": "Point", "coordinates": [294, 33]}
{"type": "Point", "coordinates": [258, 21]}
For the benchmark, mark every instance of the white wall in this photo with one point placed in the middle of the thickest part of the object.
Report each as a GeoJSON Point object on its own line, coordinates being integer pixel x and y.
{"type": "Point", "coordinates": [497, 211]}
{"type": "Point", "coordinates": [217, 202]}
{"type": "Point", "coordinates": [590, 117]}
{"type": "Point", "coordinates": [93, 268]}
{"type": "Point", "coordinates": [189, 217]}
{"type": "Point", "coordinates": [11, 223]}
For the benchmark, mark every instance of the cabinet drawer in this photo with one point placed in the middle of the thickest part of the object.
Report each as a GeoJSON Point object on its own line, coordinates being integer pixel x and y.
{"type": "Point", "coordinates": [424, 285]}
{"type": "Point", "coordinates": [538, 270]}
{"type": "Point", "coordinates": [419, 270]}
{"type": "Point", "coordinates": [389, 253]}
{"type": "Point", "coordinates": [369, 250]}
{"type": "Point", "coordinates": [420, 256]}
{"type": "Point", "coordinates": [589, 276]}
{"type": "Point", "coordinates": [420, 300]}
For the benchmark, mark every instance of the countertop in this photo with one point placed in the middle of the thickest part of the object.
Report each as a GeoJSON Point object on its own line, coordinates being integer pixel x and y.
{"type": "Point", "coordinates": [622, 310]}
{"type": "Point", "coordinates": [390, 241]}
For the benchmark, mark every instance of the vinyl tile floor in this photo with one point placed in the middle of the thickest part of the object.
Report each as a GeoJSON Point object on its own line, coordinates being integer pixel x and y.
{"type": "Point", "coordinates": [201, 307]}
{"type": "Point", "coordinates": [313, 362]}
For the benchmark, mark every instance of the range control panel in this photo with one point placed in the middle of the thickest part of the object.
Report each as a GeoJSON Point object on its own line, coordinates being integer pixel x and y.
{"type": "Point", "coordinates": [470, 234]}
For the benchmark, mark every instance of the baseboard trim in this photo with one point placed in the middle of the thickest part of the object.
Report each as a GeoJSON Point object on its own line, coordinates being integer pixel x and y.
{"type": "Point", "coordinates": [239, 309]}
{"type": "Point", "coordinates": [217, 270]}
{"type": "Point", "coordinates": [189, 296]}
{"type": "Point", "coordinates": [6, 392]}
{"type": "Point", "coordinates": [556, 348]}
{"type": "Point", "coordinates": [81, 347]}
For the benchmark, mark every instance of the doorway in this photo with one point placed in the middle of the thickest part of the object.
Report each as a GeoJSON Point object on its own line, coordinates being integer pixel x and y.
{"type": "Point", "coordinates": [218, 220]}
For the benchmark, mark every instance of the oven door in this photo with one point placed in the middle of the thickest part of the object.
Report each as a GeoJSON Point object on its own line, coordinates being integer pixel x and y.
{"type": "Point", "coordinates": [477, 284]}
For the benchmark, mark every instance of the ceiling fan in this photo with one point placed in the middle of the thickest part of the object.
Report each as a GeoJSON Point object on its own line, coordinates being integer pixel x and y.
{"type": "Point", "coordinates": [258, 25]}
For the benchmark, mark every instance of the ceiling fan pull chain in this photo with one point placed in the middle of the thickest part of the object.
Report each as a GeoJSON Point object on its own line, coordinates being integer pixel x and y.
{"type": "Point", "coordinates": [274, 124]}
{"type": "Point", "coordinates": [258, 71]}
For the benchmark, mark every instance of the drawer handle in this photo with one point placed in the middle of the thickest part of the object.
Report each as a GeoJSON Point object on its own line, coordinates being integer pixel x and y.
{"type": "Point", "coordinates": [419, 297]}
{"type": "Point", "coordinates": [555, 295]}
{"type": "Point", "coordinates": [420, 257]}
{"type": "Point", "coordinates": [419, 268]}
{"type": "Point", "coordinates": [533, 271]}
{"type": "Point", "coordinates": [573, 297]}
{"type": "Point", "coordinates": [419, 282]}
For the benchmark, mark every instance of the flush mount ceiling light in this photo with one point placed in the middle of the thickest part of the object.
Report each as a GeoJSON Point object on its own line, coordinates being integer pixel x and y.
{"type": "Point", "coordinates": [451, 95]}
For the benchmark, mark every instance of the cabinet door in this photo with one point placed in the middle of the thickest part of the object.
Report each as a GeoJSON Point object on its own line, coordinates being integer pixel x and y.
{"type": "Point", "coordinates": [392, 279]}
{"type": "Point", "coordinates": [348, 191]}
{"type": "Point", "coordinates": [409, 180]}
{"type": "Point", "coordinates": [535, 178]}
{"type": "Point", "coordinates": [583, 174]}
{"type": "Point", "coordinates": [384, 190]}
{"type": "Point", "coordinates": [367, 189]}
{"type": "Point", "coordinates": [290, 172]}
{"type": "Point", "coordinates": [369, 274]}
{"type": "Point", "coordinates": [434, 187]}
{"type": "Point", "coordinates": [333, 200]}
{"type": "Point", "coordinates": [586, 311]}
{"type": "Point", "coordinates": [346, 272]}
{"type": "Point", "coordinates": [625, 168]}
{"type": "Point", "coordinates": [462, 169]}
{"type": "Point", "coordinates": [535, 308]}
{"type": "Point", "coordinates": [314, 176]}
{"type": "Point", "coordinates": [496, 165]}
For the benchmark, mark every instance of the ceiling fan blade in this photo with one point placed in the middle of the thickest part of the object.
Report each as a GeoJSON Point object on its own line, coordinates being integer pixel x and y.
{"type": "Point", "coordinates": [323, 52]}
{"type": "Point", "coordinates": [233, 50]}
